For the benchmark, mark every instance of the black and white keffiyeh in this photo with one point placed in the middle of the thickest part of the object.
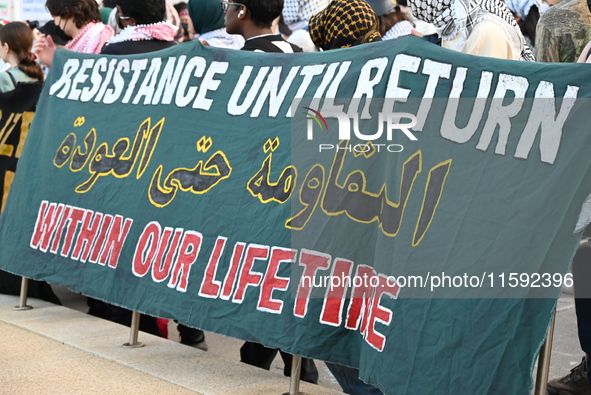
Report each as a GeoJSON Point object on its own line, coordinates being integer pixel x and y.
{"type": "Point", "coordinates": [453, 17]}
{"type": "Point", "coordinates": [295, 11]}
{"type": "Point", "coordinates": [402, 28]}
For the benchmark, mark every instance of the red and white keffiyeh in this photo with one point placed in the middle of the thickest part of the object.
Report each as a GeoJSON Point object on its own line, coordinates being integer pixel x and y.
{"type": "Point", "coordinates": [92, 38]}
{"type": "Point", "coordinates": [162, 31]}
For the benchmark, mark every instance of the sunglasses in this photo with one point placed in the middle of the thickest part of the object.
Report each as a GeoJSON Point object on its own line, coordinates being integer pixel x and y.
{"type": "Point", "coordinates": [226, 4]}
{"type": "Point", "coordinates": [120, 18]}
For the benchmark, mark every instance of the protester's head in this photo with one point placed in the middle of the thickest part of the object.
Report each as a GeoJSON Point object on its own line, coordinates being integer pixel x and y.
{"type": "Point", "coordinates": [207, 15]}
{"type": "Point", "coordinates": [16, 40]}
{"type": "Point", "coordinates": [108, 3]}
{"type": "Point", "coordinates": [344, 23]}
{"type": "Point", "coordinates": [181, 8]}
{"type": "Point", "coordinates": [389, 13]}
{"type": "Point", "coordinates": [80, 12]}
{"type": "Point", "coordinates": [141, 12]}
{"type": "Point", "coordinates": [245, 14]}
{"type": "Point", "coordinates": [263, 12]}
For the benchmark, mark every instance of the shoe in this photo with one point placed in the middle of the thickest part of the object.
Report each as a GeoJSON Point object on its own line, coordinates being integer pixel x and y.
{"type": "Point", "coordinates": [574, 383]}
{"type": "Point", "coordinates": [200, 345]}
{"type": "Point", "coordinates": [192, 337]}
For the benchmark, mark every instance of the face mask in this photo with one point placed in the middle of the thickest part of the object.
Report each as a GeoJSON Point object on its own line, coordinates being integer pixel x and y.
{"type": "Point", "coordinates": [61, 34]}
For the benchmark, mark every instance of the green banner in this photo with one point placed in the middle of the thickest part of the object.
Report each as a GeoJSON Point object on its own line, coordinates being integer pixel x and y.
{"type": "Point", "coordinates": [395, 207]}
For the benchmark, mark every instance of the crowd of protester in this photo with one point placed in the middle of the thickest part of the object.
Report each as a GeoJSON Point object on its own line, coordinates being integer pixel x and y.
{"type": "Point", "coordinates": [525, 30]}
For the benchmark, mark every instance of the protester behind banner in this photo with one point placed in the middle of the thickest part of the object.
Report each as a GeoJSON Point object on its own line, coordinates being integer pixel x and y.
{"type": "Point", "coordinates": [80, 19]}
{"type": "Point", "coordinates": [332, 28]}
{"type": "Point", "coordinates": [16, 40]}
{"type": "Point", "coordinates": [578, 381]}
{"type": "Point", "coordinates": [329, 30]}
{"type": "Point", "coordinates": [208, 21]}
{"type": "Point", "coordinates": [22, 87]}
{"type": "Point", "coordinates": [563, 31]}
{"type": "Point", "coordinates": [484, 28]}
{"type": "Point", "coordinates": [296, 16]}
{"type": "Point", "coordinates": [186, 23]}
{"type": "Point", "coordinates": [144, 28]}
{"type": "Point", "coordinates": [564, 35]}
{"type": "Point", "coordinates": [253, 20]}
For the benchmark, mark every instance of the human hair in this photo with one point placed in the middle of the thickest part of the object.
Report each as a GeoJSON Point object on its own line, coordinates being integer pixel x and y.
{"type": "Point", "coordinates": [263, 12]}
{"type": "Point", "coordinates": [144, 12]}
{"type": "Point", "coordinates": [387, 21]}
{"type": "Point", "coordinates": [109, 3]}
{"type": "Point", "coordinates": [19, 38]}
{"type": "Point", "coordinates": [180, 6]}
{"type": "Point", "coordinates": [83, 11]}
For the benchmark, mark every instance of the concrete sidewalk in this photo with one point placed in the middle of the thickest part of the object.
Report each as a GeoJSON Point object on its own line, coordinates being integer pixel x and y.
{"type": "Point", "coordinates": [54, 349]}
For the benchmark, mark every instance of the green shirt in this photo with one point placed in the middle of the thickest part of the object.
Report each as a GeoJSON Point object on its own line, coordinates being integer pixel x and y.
{"type": "Point", "coordinates": [6, 83]}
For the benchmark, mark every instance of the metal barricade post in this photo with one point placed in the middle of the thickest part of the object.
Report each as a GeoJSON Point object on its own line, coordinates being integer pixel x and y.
{"type": "Point", "coordinates": [133, 334]}
{"type": "Point", "coordinates": [23, 297]}
{"type": "Point", "coordinates": [544, 360]}
{"type": "Point", "coordinates": [294, 382]}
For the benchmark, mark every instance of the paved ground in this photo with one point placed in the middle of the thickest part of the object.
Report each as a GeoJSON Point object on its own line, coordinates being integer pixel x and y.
{"type": "Point", "coordinates": [37, 352]}
{"type": "Point", "coordinates": [56, 350]}
{"type": "Point", "coordinates": [224, 346]}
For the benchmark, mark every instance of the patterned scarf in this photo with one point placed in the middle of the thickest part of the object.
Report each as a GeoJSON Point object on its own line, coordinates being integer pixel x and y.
{"type": "Point", "coordinates": [91, 39]}
{"type": "Point", "coordinates": [301, 10]}
{"type": "Point", "coordinates": [453, 17]}
{"type": "Point", "coordinates": [344, 23]}
{"type": "Point", "coordinates": [162, 31]}
{"type": "Point", "coordinates": [402, 28]}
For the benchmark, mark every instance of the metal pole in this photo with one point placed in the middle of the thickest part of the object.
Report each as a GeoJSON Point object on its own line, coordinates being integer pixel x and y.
{"type": "Point", "coordinates": [294, 382]}
{"type": "Point", "coordinates": [23, 300]}
{"type": "Point", "coordinates": [544, 360]}
{"type": "Point", "coordinates": [133, 333]}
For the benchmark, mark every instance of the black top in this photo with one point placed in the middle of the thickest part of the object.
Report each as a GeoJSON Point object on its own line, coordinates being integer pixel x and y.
{"type": "Point", "coordinates": [270, 43]}
{"type": "Point", "coordinates": [135, 47]}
